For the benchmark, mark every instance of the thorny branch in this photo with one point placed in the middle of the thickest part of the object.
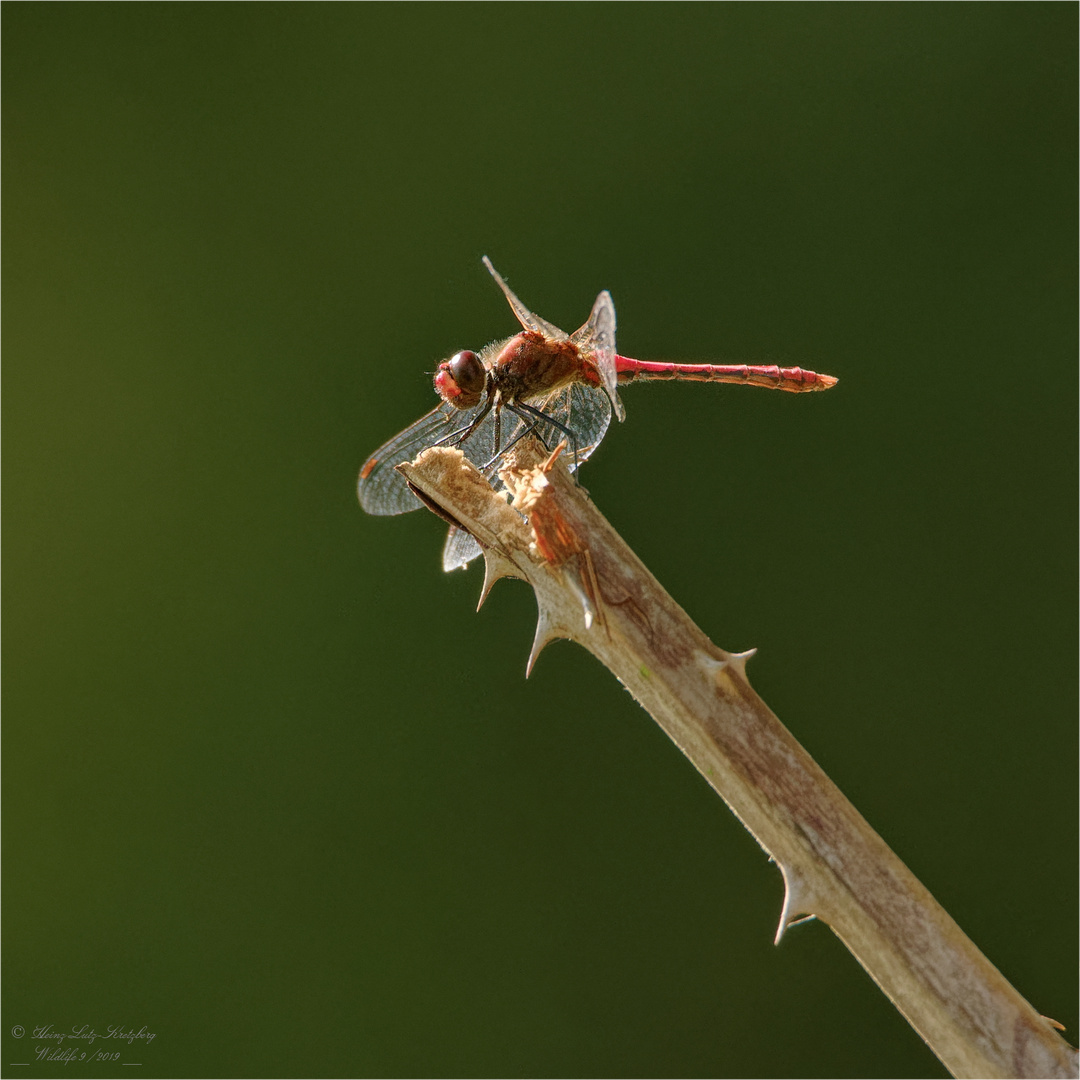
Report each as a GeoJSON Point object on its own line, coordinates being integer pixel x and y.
{"type": "Point", "coordinates": [591, 588]}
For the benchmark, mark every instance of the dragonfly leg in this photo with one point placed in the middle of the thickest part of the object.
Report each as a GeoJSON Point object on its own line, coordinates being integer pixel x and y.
{"type": "Point", "coordinates": [515, 440]}
{"type": "Point", "coordinates": [525, 411]}
{"type": "Point", "coordinates": [463, 433]}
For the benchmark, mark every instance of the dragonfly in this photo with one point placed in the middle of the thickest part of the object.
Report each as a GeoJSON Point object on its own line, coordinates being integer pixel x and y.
{"type": "Point", "coordinates": [544, 382]}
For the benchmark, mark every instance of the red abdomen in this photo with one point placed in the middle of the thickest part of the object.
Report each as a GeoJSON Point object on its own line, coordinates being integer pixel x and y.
{"type": "Point", "coordinates": [795, 380]}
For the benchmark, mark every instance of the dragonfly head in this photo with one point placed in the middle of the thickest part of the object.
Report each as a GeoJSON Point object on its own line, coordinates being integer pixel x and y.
{"type": "Point", "coordinates": [461, 379]}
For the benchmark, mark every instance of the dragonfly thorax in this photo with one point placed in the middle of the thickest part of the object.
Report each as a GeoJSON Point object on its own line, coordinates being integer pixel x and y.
{"type": "Point", "coordinates": [531, 364]}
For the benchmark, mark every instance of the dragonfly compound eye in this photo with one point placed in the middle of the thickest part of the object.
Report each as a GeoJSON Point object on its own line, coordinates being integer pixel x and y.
{"type": "Point", "coordinates": [468, 371]}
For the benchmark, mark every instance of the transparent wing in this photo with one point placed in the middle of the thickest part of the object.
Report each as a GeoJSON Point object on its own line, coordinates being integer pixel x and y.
{"type": "Point", "coordinates": [528, 319]}
{"type": "Point", "coordinates": [597, 339]}
{"type": "Point", "coordinates": [381, 488]}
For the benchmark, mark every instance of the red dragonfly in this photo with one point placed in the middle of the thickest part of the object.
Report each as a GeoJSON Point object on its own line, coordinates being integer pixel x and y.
{"type": "Point", "coordinates": [541, 381]}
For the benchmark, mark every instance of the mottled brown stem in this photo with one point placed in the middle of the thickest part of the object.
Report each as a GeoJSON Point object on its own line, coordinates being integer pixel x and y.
{"type": "Point", "coordinates": [591, 588]}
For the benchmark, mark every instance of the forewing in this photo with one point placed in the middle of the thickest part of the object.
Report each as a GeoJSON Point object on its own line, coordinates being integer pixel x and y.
{"type": "Point", "coordinates": [382, 489]}
{"type": "Point", "coordinates": [597, 339]}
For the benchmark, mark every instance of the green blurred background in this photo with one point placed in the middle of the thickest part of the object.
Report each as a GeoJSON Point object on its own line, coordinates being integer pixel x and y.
{"type": "Point", "coordinates": [272, 790]}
